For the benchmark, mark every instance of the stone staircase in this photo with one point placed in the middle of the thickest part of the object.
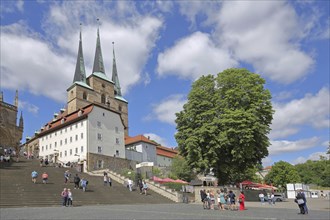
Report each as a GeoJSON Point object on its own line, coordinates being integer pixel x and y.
{"type": "Point", "coordinates": [17, 189]}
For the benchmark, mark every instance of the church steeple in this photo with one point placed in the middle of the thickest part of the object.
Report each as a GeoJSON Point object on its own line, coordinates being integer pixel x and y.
{"type": "Point", "coordinates": [80, 73]}
{"type": "Point", "coordinates": [98, 59]}
{"type": "Point", "coordinates": [16, 99]}
{"type": "Point", "coordinates": [21, 123]}
{"type": "Point", "coordinates": [115, 78]}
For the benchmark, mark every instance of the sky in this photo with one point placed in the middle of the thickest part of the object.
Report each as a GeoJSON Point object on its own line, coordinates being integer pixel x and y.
{"type": "Point", "coordinates": [161, 48]}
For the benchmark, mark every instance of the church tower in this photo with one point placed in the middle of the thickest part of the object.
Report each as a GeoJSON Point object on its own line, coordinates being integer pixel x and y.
{"type": "Point", "coordinates": [98, 87]}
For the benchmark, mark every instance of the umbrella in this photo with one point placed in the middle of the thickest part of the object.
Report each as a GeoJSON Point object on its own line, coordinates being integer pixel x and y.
{"type": "Point", "coordinates": [180, 181]}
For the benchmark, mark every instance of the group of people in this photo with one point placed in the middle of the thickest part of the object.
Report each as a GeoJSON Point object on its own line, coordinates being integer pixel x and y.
{"type": "Point", "coordinates": [269, 197]}
{"type": "Point", "coordinates": [143, 187]}
{"type": "Point", "coordinates": [302, 202]}
{"type": "Point", "coordinates": [222, 200]}
{"type": "Point", "coordinates": [106, 179]}
{"type": "Point", "coordinates": [35, 175]}
{"type": "Point", "coordinates": [67, 197]}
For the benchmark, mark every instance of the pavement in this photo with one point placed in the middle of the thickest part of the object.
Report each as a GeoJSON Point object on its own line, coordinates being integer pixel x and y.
{"type": "Point", "coordinates": [254, 211]}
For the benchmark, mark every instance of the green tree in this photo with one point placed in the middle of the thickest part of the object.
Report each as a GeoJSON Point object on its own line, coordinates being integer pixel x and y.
{"type": "Point", "coordinates": [281, 174]}
{"type": "Point", "coordinates": [180, 169]}
{"type": "Point", "coordinates": [224, 124]}
{"type": "Point", "coordinates": [315, 172]}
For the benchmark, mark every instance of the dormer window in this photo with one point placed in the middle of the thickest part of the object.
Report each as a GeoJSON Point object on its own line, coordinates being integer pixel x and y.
{"type": "Point", "coordinates": [80, 113]}
{"type": "Point", "coordinates": [62, 121]}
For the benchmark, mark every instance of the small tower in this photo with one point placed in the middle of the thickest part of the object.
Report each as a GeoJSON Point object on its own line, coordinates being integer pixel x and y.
{"type": "Point", "coordinates": [21, 123]}
{"type": "Point", "coordinates": [98, 59]}
{"type": "Point", "coordinates": [16, 99]}
{"type": "Point", "coordinates": [115, 77]}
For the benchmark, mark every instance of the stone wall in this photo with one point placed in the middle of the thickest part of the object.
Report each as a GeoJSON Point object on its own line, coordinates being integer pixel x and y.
{"type": "Point", "coordinates": [108, 162]}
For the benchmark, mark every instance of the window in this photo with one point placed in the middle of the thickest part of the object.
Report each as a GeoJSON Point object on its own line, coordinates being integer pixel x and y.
{"type": "Point", "coordinates": [117, 153]}
{"type": "Point", "coordinates": [81, 135]}
{"type": "Point", "coordinates": [117, 130]}
{"type": "Point", "coordinates": [81, 149]}
{"type": "Point", "coordinates": [65, 141]}
{"type": "Point", "coordinates": [99, 149]}
{"type": "Point", "coordinates": [71, 128]}
{"type": "Point", "coordinates": [42, 148]}
{"type": "Point", "coordinates": [76, 137]}
{"type": "Point", "coordinates": [55, 144]}
{"type": "Point", "coordinates": [82, 123]}
{"type": "Point", "coordinates": [84, 95]}
{"type": "Point", "coordinates": [46, 147]}
{"type": "Point", "coordinates": [70, 139]}
{"type": "Point", "coordinates": [65, 153]}
{"type": "Point", "coordinates": [119, 108]}
{"type": "Point", "coordinates": [60, 142]}
{"type": "Point", "coordinates": [50, 135]}
{"type": "Point", "coordinates": [103, 86]}
{"type": "Point", "coordinates": [77, 125]}
{"type": "Point", "coordinates": [60, 154]}
{"type": "Point", "coordinates": [50, 146]}
{"type": "Point", "coordinates": [55, 133]}
{"type": "Point", "coordinates": [117, 140]}
{"type": "Point", "coordinates": [76, 150]}
{"type": "Point", "coordinates": [103, 114]}
{"type": "Point", "coordinates": [62, 121]}
{"type": "Point", "coordinates": [103, 99]}
{"type": "Point", "coordinates": [70, 151]}
{"type": "Point", "coordinates": [61, 131]}
{"type": "Point", "coordinates": [42, 138]}
{"type": "Point", "coordinates": [99, 124]}
{"type": "Point", "coordinates": [99, 136]}
{"type": "Point", "coordinates": [100, 164]}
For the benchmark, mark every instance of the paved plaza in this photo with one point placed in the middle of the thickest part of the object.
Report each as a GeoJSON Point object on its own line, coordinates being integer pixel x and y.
{"type": "Point", "coordinates": [285, 210]}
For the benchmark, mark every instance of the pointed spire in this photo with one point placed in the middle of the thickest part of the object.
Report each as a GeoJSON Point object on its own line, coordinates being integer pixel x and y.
{"type": "Point", "coordinates": [115, 78]}
{"type": "Point", "coordinates": [16, 98]}
{"type": "Point", "coordinates": [80, 73]}
{"type": "Point", "coordinates": [21, 123]}
{"type": "Point", "coordinates": [98, 59]}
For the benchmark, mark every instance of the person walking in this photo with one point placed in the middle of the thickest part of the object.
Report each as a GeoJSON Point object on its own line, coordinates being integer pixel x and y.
{"type": "Point", "coordinates": [110, 181]}
{"type": "Point", "coordinates": [145, 187]}
{"type": "Point", "coordinates": [241, 200]}
{"type": "Point", "coordinates": [221, 200]}
{"type": "Point", "coordinates": [34, 176]}
{"type": "Point", "coordinates": [76, 181]}
{"type": "Point", "coordinates": [64, 195]}
{"type": "Point", "coordinates": [140, 184]}
{"type": "Point", "coordinates": [232, 198]}
{"type": "Point", "coordinates": [70, 198]}
{"type": "Point", "coordinates": [105, 179]}
{"type": "Point", "coordinates": [83, 183]}
{"type": "Point", "coordinates": [44, 177]}
{"type": "Point", "coordinates": [262, 198]}
{"type": "Point", "coordinates": [130, 184]}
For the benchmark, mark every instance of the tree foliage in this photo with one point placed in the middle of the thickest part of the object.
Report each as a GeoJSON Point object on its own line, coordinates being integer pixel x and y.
{"type": "Point", "coordinates": [224, 124]}
{"type": "Point", "coordinates": [180, 169]}
{"type": "Point", "coordinates": [281, 174]}
{"type": "Point", "coordinates": [315, 172]}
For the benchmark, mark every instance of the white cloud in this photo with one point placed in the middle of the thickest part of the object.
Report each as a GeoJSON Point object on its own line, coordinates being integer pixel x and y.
{"type": "Point", "coordinates": [194, 56]}
{"type": "Point", "coordinates": [54, 60]}
{"type": "Point", "coordinates": [157, 138]}
{"type": "Point", "coordinates": [166, 109]}
{"type": "Point", "coordinates": [29, 107]}
{"type": "Point", "coordinates": [314, 156]}
{"type": "Point", "coordinates": [266, 35]}
{"type": "Point", "coordinates": [311, 110]}
{"type": "Point", "coordinates": [284, 146]}
{"type": "Point", "coordinates": [20, 5]}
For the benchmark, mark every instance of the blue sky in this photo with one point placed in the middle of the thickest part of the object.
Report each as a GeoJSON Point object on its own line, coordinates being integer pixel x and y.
{"type": "Point", "coordinates": [162, 47]}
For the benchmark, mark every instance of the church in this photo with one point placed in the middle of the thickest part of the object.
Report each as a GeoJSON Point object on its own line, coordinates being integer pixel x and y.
{"type": "Point", "coordinates": [93, 127]}
{"type": "Point", "coordinates": [10, 132]}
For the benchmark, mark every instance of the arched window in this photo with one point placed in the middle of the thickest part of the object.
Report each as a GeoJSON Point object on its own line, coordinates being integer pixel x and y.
{"type": "Point", "coordinates": [103, 99]}
{"type": "Point", "coordinates": [120, 108]}
{"type": "Point", "coordinates": [85, 96]}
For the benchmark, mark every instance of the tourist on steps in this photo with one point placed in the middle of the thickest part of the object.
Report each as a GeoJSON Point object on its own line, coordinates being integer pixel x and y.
{"type": "Point", "coordinates": [34, 176]}
{"type": "Point", "coordinates": [44, 177]}
{"type": "Point", "coordinates": [64, 196]}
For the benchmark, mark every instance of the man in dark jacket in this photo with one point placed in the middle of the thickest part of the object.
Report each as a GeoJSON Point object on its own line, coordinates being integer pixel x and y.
{"type": "Point", "coordinates": [76, 181]}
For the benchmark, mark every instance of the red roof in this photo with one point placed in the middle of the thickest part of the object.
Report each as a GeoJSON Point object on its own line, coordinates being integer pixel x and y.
{"type": "Point", "coordinates": [138, 138]}
{"type": "Point", "coordinates": [166, 152]}
{"type": "Point", "coordinates": [68, 119]}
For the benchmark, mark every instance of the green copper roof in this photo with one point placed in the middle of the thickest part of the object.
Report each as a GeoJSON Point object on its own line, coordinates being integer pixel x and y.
{"type": "Point", "coordinates": [115, 77]}
{"type": "Point", "coordinates": [80, 73]}
{"type": "Point", "coordinates": [121, 98]}
{"type": "Point", "coordinates": [83, 84]}
{"type": "Point", "coordinates": [98, 59]}
{"type": "Point", "coordinates": [102, 76]}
